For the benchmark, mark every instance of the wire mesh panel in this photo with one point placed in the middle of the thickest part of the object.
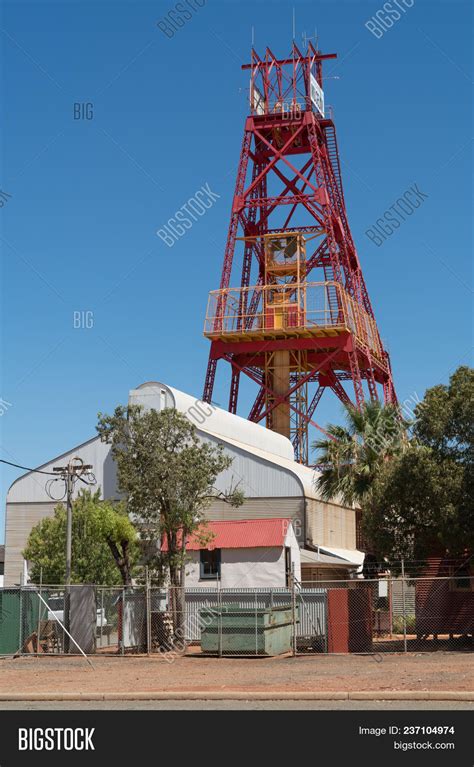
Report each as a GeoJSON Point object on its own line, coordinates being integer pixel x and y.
{"type": "Point", "coordinates": [108, 606]}
{"type": "Point", "coordinates": [132, 614]}
{"type": "Point", "coordinates": [441, 616]}
{"type": "Point", "coordinates": [247, 622]}
{"type": "Point", "coordinates": [343, 616]}
{"type": "Point", "coordinates": [21, 619]}
{"type": "Point", "coordinates": [391, 615]}
{"type": "Point", "coordinates": [10, 621]}
{"type": "Point", "coordinates": [52, 614]}
{"type": "Point", "coordinates": [169, 625]}
{"type": "Point", "coordinates": [198, 601]}
{"type": "Point", "coordinates": [312, 626]}
{"type": "Point", "coordinates": [165, 622]}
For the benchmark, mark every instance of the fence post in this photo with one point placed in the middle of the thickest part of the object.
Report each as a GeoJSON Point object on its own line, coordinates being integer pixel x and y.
{"type": "Point", "coordinates": [20, 627]}
{"type": "Point", "coordinates": [219, 618]}
{"type": "Point", "coordinates": [122, 641]}
{"type": "Point", "coordinates": [390, 603]}
{"type": "Point", "coordinates": [147, 612]}
{"type": "Point", "coordinates": [256, 626]}
{"type": "Point", "coordinates": [38, 628]}
{"type": "Point", "coordinates": [403, 608]}
{"type": "Point", "coordinates": [101, 614]}
{"type": "Point", "coordinates": [293, 608]}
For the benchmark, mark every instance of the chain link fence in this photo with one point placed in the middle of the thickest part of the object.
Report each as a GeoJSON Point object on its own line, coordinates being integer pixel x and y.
{"type": "Point", "coordinates": [353, 616]}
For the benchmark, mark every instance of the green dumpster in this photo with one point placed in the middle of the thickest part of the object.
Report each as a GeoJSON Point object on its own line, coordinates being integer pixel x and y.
{"type": "Point", "coordinates": [231, 629]}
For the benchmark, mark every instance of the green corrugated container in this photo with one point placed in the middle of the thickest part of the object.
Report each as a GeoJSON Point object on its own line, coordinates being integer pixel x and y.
{"type": "Point", "coordinates": [18, 618]}
{"type": "Point", "coordinates": [246, 631]}
{"type": "Point", "coordinates": [10, 620]}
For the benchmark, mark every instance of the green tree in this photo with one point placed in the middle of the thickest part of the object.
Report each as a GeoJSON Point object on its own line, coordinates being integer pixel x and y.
{"type": "Point", "coordinates": [103, 543]}
{"type": "Point", "coordinates": [422, 500]}
{"type": "Point", "coordinates": [168, 478]}
{"type": "Point", "coordinates": [350, 458]}
{"type": "Point", "coordinates": [445, 418]}
{"type": "Point", "coordinates": [412, 510]}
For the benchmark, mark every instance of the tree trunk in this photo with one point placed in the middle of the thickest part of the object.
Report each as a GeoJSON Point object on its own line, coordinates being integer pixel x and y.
{"type": "Point", "coordinates": [175, 604]}
{"type": "Point", "coordinates": [177, 572]}
{"type": "Point", "coordinates": [122, 561]}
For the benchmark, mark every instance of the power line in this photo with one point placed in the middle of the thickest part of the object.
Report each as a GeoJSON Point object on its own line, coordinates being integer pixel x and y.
{"type": "Point", "coordinates": [27, 468]}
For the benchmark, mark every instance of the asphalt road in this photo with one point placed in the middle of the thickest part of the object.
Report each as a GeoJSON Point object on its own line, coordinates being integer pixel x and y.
{"type": "Point", "coordinates": [238, 705]}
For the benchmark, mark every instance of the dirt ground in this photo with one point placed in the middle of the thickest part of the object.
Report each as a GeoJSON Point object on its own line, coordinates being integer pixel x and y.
{"type": "Point", "coordinates": [432, 671]}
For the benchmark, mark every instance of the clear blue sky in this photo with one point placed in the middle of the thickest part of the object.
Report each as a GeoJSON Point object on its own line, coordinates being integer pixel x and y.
{"type": "Point", "coordinates": [88, 196]}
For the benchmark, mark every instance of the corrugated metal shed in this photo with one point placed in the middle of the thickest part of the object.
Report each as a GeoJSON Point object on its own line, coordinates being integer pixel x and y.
{"type": "Point", "coordinates": [274, 485]}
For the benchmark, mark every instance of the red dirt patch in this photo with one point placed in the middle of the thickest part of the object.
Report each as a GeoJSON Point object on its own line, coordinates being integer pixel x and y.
{"type": "Point", "coordinates": [434, 671]}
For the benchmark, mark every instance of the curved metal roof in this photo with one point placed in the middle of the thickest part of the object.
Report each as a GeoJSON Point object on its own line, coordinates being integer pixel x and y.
{"type": "Point", "coordinates": [232, 429]}
{"type": "Point", "coordinates": [212, 419]}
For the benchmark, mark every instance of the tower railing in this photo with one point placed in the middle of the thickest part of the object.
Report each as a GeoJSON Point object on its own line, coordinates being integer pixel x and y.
{"type": "Point", "coordinates": [289, 108]}
{"type": "Point", "coordinates": [291, 309]}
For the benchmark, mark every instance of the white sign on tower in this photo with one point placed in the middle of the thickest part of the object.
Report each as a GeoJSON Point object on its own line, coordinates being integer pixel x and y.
{"type": "Point", "coordinates": [258, 101]}
{"type": "Point", "coordinates": [317, 95]}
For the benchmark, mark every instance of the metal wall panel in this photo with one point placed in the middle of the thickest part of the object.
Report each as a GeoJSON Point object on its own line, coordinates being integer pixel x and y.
{"type": "Point", "coordinates": [262, 508]}
{"type": "Point", "coordinates": [330, 525]}
{"type": "Point", "coordinates": [20, 518]}
{"type": "Point", "coordinates": [30, 488]}
{"type": "Point", "coordinates": [254, 475]}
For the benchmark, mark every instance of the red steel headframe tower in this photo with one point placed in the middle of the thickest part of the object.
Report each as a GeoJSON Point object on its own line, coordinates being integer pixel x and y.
{"type": "Point", "coordinates": [292, 312]}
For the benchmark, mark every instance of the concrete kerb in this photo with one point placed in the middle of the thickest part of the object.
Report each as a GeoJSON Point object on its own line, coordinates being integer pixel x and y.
{"type": "Point", "coordinates": [240, 695]}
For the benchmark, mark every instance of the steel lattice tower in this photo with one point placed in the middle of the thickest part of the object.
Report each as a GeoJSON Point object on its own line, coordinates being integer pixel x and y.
{"type": "Point", "coordinates": [292, 312]}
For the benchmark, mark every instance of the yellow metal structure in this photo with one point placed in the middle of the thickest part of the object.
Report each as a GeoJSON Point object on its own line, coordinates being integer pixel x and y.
{"type": "Point", "coordinates": [297, 310]}
{"type": "Point", "coordinates": [286, 306]}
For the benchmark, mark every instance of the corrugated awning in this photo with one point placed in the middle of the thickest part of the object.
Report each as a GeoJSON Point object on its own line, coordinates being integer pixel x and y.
{"type": "Point", "coordinates": [238, 534]}
{"type": "Point", "coordinates": [333, 557]}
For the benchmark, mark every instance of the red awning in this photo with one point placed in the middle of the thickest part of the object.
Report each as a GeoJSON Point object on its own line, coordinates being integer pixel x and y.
{"type": "Point", "coordinates": [238, 534]}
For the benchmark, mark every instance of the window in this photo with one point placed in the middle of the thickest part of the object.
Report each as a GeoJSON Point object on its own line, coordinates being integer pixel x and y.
{"type": "Point", "coordinates": [210, 566]}
{"type": "Point", "coordinates": [461, 578]}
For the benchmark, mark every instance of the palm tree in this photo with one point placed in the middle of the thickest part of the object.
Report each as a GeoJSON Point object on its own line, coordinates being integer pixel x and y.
{"type": "Point", "coordinates": [349, 458]}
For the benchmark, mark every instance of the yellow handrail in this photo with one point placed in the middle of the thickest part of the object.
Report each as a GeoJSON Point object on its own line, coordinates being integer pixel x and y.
{"type": "Point", "coordinates": [299, 306]}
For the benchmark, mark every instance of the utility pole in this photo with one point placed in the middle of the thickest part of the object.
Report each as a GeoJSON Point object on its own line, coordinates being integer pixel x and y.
{"type": "Point", "coordinates": [70, 473]}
